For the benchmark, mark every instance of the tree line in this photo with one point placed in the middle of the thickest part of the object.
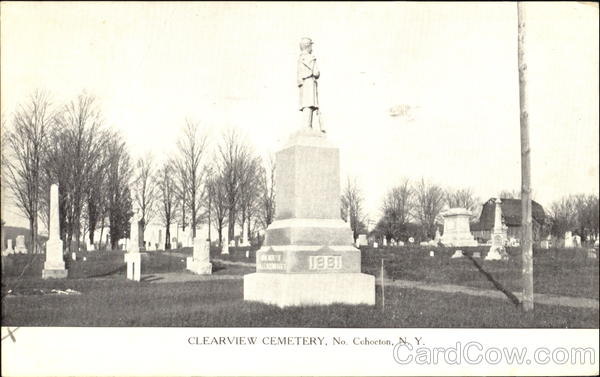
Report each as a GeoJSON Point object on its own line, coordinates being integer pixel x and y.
{"type": "Point", "coordinates": [101, 185]}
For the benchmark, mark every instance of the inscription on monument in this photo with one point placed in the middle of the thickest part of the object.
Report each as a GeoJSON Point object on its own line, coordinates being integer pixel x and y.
{"type": "Point", "coordinates": [325, 262]}
{"type": "Point", "coordinates": [272, 262]}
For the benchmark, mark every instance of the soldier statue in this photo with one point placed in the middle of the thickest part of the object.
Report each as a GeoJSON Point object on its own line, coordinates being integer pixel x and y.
{"type": "Point", "coordinates": [308, 73]}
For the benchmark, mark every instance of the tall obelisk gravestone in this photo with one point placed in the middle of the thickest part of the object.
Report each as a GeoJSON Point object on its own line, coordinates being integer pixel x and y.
{"type": "Point", "coordinates": [308, 256]}
{"type": "Point", "coordinates": [54, 267]}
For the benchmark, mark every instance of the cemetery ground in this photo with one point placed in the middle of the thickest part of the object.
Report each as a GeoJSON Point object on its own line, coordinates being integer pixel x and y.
{"type": "Point", "coordinates": [168, 295]}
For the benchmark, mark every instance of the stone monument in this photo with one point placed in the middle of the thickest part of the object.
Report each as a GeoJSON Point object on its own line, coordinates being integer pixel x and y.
{"type": "Point", "coordinates": [308, 256]}
{"type": "Point", "coordinates": [497, 250]}
{"type": "Point", "coordinates": [20, 247]}
{"type": "Point", "coordinates": [456, 228]}
{"type": "Point", "coordinates": [9, 246]}
{"type": "Point", "coordinates": [133, 257]}
{"type": "Point", "coordinates": [569, 244]}
{"type": "Point", "coordinates": [54, 267]}
{"type": "Point", "coordinates": [199, 262]}
{"type": "Point", "coordinates": [225, 241]}
{"type": "Point", "coordinates": [245, 242]}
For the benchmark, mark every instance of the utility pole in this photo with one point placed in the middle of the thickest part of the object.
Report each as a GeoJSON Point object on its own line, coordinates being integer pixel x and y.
{"type": "Point", "coordinates": [526, 227]}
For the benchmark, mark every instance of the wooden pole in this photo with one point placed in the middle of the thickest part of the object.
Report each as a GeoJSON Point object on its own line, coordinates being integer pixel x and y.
{"type": "Point", "coordinates": [526, 226]}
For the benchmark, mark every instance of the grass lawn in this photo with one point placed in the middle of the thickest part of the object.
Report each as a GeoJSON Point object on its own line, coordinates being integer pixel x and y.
{"type": "Point", "coordinates": [566, 272]}
{"type": "Point", "coordinates": [116, 302]}
{"type": "Point", "coordinates": [107, 299]}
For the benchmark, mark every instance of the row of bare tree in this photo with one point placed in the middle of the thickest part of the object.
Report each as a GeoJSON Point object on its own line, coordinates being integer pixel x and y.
{"type": "Point", "coordinates": [100, 185]}
{"type": "Point", "coordinates": [67, 145]}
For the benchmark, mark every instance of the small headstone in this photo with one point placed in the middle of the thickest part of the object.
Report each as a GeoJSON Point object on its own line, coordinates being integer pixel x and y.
{"type": "Point", "coordinates": [247, 253]}
{"type": "Point", "coordinates": [384, 242]}
{"type": "Point", "coordinates": [74, 256]}
{"type": "Point", "coordinates": [10, 246]}
{"type": "Point", "coordinates": [91, 248]}
{"type": "Point", "coordinates": [375, 245]}
{"type": "Point", "coordinates": [568, 240]}
{"type": "Point", "coordinates": [362, 240]}
{"type": "Point", "coordinates": [84, 259]}
{"type": "Point", "coordinates": [457, 254]}
{"type": "Point", "coordinates": [225, 242]}
{"type": "Point", "coordinates": [476, 254]}
{"type": "Point", "coordinates": [411, 240]}
{"type": "Point", "coordinates": [431, 253]}
{"type": "Point", "coordinates": [20, 247]}
{"type": "Point", "coordinates": [400, 243]}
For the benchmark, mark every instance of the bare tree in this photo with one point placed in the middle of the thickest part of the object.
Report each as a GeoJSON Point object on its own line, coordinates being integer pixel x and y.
{"type": "Point", "coordinates": [429, 204]}
{"type": "Point", "coordinates": [75, 152]}
{"type": "Point", "coordinates": [234, 158]}
{"type": "Point", "coordinates": [461, 198]}
{"type": "Point", "coordinates": [218, 202]}
{"type": "Point", "coordinates": [249, 192]}
{"type": "Point", "coordinates": [398, 205]}
{"type": "Point", "coordinates": [145, 191]}
{"type": "Point", "coordinates": [27, 141]}
{"type": "Point", "coordinates": [192, 147]}
{"type": "Point", "coordinates": [167, 192]}
{"type": "Point", "coordinates": [120, 209]}
{"type": "Point", "coordinates": [586, 209]}
{"type": "Point", "coordinates": [352, 206]}
{"type": "Point", "coordinates": [267, 189]}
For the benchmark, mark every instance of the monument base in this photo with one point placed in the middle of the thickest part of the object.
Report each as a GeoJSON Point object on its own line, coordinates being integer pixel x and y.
{"type": "Point", "coordinates": [466, 241]}
{"type": "Point", "coordinates": [496, 253]}
{"type": "Point", "coordinates": [309, 289]}
{"type": "Point", "coordinates": [198, 267]}
{"type": "Point", "coordinates": [54, 270]}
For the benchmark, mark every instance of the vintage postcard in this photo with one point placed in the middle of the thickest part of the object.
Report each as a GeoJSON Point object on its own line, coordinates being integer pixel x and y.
{"type": "Point", "coordinates": [299, 188]}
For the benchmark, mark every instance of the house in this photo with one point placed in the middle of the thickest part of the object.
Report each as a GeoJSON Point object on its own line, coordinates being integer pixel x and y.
{"type": "Point", "coordinates": [511, 218]}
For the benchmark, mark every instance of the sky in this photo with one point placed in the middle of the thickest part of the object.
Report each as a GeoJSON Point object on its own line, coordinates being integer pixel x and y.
{"type": "Point", "coordinates": [151, 66]}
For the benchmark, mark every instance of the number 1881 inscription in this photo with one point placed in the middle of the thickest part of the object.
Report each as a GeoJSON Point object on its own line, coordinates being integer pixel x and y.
{"type": "Point", "coordinates": [325, 262]}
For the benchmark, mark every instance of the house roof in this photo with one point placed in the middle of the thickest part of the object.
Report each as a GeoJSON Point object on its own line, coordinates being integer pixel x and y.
{"type": "Point", "coordinates": [511, 213]}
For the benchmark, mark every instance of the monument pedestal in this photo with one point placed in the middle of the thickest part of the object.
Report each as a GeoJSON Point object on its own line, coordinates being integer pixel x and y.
{"type": "Point", "coordinates": [134, 266]}
{"type": "Point", "coordinates": [308, 257]}
{"type": "Point", "coordinates": [284, 289]}
{"type": "Point", "coordinates": [54, 266]}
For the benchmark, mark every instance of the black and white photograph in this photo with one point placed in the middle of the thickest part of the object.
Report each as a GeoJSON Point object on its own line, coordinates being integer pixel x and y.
{"type": "Point", "coordinates": [299, 188]}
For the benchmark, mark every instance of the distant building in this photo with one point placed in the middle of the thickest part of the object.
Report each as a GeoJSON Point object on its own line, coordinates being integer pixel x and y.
{"type": "Point", "coordinates": [511, 218]}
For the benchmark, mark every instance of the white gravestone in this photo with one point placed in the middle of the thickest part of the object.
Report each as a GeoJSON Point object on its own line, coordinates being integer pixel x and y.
{"type": "Point", "coordinates": [134, 266]}
{"type": "Point", "coordinates": [476, 254]}
{"type": "Point", "coordinates": [9, 246]}
{"type": "Point", "coordinates": [133, 257]}
{"type": "Point", "coordinates": [225, 242]}
{"type": "Point", "coordinates": [244, 237]}
{"type": "Point", "coordinates": [375, 245]}
{"type": "Point", "coordinates": [457, 254]}
{"type": "Point", "coordinates": [362, 240]}
{"type": "Point", "coordinates": [199, 262]}
{"type": "Point", "coordinates": [497, 250]}
{"type": "Point", "coordinates": [568, 240]}
{"type": "Point", "coordinates": [432, 253]}
{"type": "Point", "coordinates": [54, 267]}
{"type": "Point", "coordinates": [456, 228]}
{"type": "Point", "coordinates": [20, 247]}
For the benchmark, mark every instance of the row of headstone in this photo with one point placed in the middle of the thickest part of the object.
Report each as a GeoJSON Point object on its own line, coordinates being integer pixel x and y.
{"type": "Point", "coordinates": [20, 247]}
